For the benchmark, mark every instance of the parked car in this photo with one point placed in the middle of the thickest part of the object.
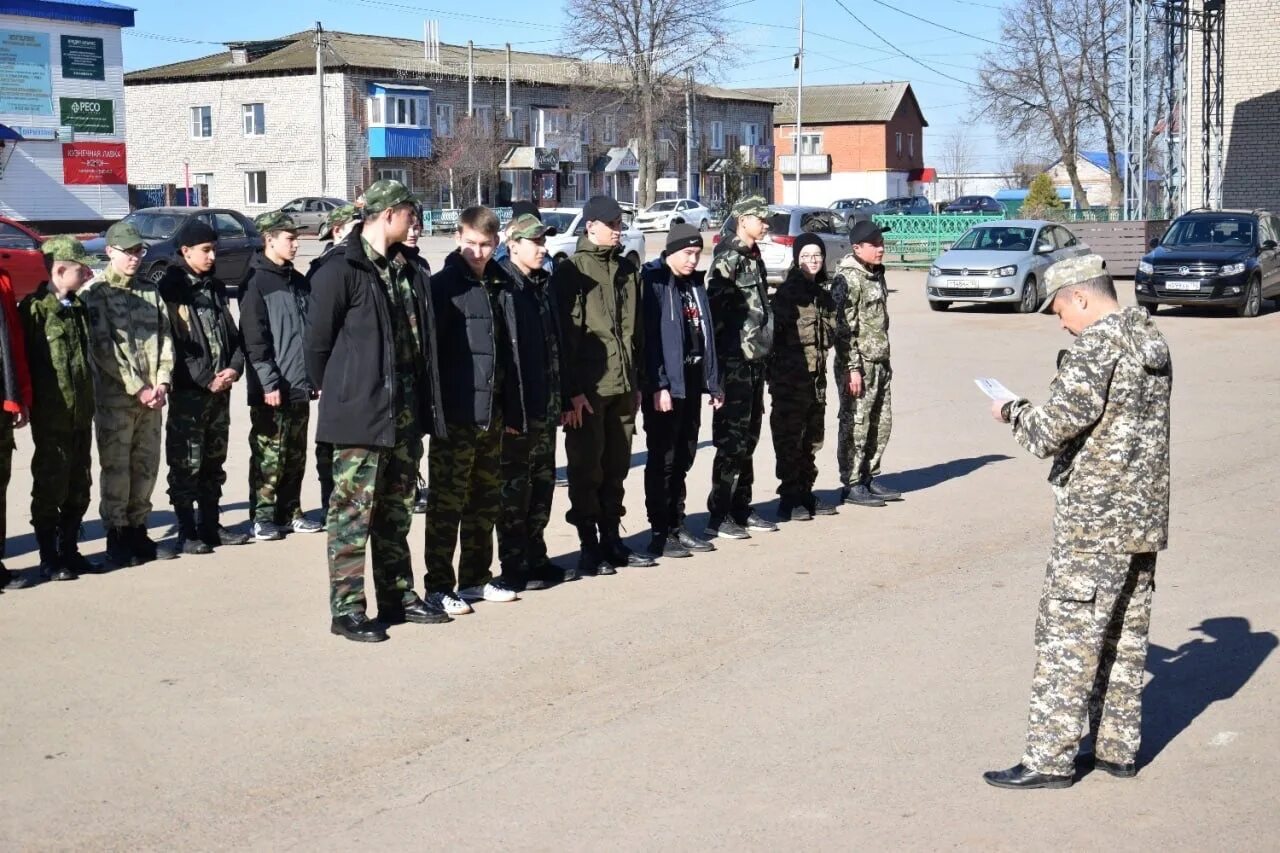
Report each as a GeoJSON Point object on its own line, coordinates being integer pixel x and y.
{"type": "Point", "coordinates": [20, 257]}
{"type": "Point", "coordinates": [309, 213]}
{"type": "Point", "coordinates": [661, 215]}
{"type": "Point", "coordinates": [569, 227]}
{"type": "Point", "coordinates": [915, 204]}
{"type": "Point", "coordinates": [974, 204]}
{"type": "Point", "coordinates": [786, 222]}
{"type": "Point", "coordinates": [237, 240]}
{"type": "Point", "coordinates": [1213, 257]}
{"type": "Point", "coordinates": [848, 205]}
{"type": "Point", "coordinates": [1001, 262]}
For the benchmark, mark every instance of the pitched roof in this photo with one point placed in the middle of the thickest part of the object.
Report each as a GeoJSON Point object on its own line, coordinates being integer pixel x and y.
{"type": "Point", "coordinates": [403, 58]}
{"type": "Point", "coordinates": [1103, 162]}
{"type": "Point", "coordinates": [841, 103]}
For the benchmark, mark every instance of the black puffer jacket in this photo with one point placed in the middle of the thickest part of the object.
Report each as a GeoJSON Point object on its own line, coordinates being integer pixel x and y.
{"type": "Point", "coordinates": [193, 366]}
{"type": "Point", "coordinates": [538, 335]}
{"type": "Point", "coordinates": [273, 320]}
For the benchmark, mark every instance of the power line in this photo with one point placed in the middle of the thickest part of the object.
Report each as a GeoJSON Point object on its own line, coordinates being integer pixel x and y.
{"type": "Point", "coordinates": [898, 50]}
{"type": "Point", "coordinates": [933, 23]}
{"type": "Point", "coordinates": [448, 14]}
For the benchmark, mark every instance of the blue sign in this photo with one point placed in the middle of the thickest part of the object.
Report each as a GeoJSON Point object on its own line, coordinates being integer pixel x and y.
{"type": "Point", "coordinates": [25, 84]}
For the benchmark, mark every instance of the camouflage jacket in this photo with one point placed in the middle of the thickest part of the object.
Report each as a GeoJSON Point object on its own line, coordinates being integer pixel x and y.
{"type": "Point", "coordinates": [862, 315]}
{"type": "Point", "coordinates": [58, 354]}
{"type": "Point", "coordinates": [132, 343]}
{"type": "Point", "coordinates": [1106, 423]}
{"type": "Point", "coordinates": [739, 292]}
{"type": "Point", "coordinates": [804, 324]}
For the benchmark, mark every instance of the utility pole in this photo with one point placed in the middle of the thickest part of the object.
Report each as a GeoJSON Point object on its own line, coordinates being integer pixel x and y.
{"type": "Point", "coordinates": [511, 125]}
{"type": "Point", "coordinates": [471, 101]}
{"type": "Point", "coordinates": [799, 100]}
{"type": "Point", "coordinates": [319, 42]}
{"type": "Point", "coordinates": [688, 139]}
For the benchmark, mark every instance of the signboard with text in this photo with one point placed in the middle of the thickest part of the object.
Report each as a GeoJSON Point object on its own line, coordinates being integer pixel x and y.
{"type": "Point", "coordinates": [82, 58]}
{"type": "Point", "coordinates": [25, 87]}
{"type": "Point", "coordinates": [94, 163]}
{"type": "Point", "coordinates": [88, 115]}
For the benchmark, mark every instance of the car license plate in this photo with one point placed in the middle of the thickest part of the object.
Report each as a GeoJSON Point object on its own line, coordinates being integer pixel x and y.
{"type": "Point", "coordinates": [964, 282]}
{"type": "Point", "coordinates": [1182, 284]}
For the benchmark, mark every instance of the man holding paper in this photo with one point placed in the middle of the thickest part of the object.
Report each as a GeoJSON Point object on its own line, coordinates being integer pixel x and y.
{"type": "Point", "coordinates": [1106, 425]}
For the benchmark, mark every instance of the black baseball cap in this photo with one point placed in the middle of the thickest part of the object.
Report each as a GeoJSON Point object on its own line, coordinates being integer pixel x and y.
{"type": "Point", "coordinates": [866, 230]}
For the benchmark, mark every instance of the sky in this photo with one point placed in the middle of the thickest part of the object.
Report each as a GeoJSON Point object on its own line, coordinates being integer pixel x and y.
{"type": "Point", "coordinates": [936, 55]}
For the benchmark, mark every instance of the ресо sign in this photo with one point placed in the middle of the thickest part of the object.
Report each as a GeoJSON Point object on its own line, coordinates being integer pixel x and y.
{"type": "Point", "coordinates": [82, 58]}
{"type": "Point", "coordinates": [94, 163]}
{"type": "Point", "coordinates": [89, 115]}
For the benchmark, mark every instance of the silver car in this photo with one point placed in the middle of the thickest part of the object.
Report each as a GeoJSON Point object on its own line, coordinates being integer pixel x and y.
{"type": "Point", "coordinates": [310, 213]}
{"type": "Point", "coordinates": [1002, 262]}
{"type": "Point", "coordinates": [786, 223]}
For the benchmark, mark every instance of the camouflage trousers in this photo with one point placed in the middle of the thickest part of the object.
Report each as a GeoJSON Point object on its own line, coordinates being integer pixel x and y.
{"type": "Point", "coordinates": [528, 473]}
{"type": "Point", "coordinates": [277, 461]}
{"type": "Point", "coordinates": [1091, 651]}
{"type": "Point", "coordinates": [60, 477]}
{"type": "Point", "coordinates": [462, 504]}
{"type": "Point", "coordinates": [6, 471]}
{"type": "Point", "coordinates": [735, 432]}
{"type": "Point", "coordinates": [372, 501]}
{"type": "Point", "coordinates": [865, 424]}
{"type": "Point", "coordinates": [196, 446]}
{"type": "Point", "coordinates": [598, 457]}
{"type": "Point", "coordinates": [797, 409]}
{"type": "Point", "coordinates": [129, 438]}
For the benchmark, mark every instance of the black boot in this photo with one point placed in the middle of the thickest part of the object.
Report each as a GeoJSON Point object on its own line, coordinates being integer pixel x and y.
{"type": "Point", "coordinates": [619, 554]}
{"type": "Point", "coordinates": [590, 560]}
{"type": "Point", "coordinates": [146, 548]}
{"type": "Point", "coordinates": [50, 565]}
{"type": "Point", "coordinates": [69, 549]}
{"type": "Point", "coordinates": [214, 534]}
{"type": "Point", "coordinates": [189, 541]}
{"type": "Point", "coordinates": [120, 547]}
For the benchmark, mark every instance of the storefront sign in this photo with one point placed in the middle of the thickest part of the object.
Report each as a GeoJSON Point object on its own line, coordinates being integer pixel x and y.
{"type": "Point", "coordinates": [25, 87]}
{"type": "Point", "coordinates": [46, 134]}
{"type": "Point", "coordinates": [82, 58]}
{"type": "Point", "coordinates": [89, 115]}
{"type": "Point", "coordinates": [94, 163]}
{"type": "Point", "coordinates": [546, 159]}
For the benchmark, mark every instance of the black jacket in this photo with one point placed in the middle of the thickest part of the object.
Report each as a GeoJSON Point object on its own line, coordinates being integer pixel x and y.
{"type": "Point", "coordinates": [664, 333]}
{"type": "Point", "coordinates": [351, 349]}
{"type": "Point", "coordinates": [538, 339]}
{"type": "Point", "coordinates": [273, 321]}
{"type": "Point", "coordinates": [473, 345]}
{"type": "Point", "coordinates": [193, 366]}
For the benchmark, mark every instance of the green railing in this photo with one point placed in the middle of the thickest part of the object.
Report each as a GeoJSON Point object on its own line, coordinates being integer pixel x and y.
{"type": "Point", "coordinates": [446, 219]}
{"type": "Point", "coordinates": [916, 240]}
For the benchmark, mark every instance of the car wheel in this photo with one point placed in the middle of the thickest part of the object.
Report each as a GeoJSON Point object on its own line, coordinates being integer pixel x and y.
{"type": "Point", "coordinates": [1252, 304]}
{"type": "Point", "coordinates": [156, 273]}
{"type": "Point", "coordinates": [704, 225]}
{"type": "Point", "coordinates": [939, 306]}
{"type": "Point", "coordinates": [634, 258]}
{"type": "Point", "coordinates": [1030, 300]}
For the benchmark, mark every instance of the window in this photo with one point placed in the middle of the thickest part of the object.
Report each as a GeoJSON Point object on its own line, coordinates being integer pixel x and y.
{"type": "Point", "coordinates": [201, 122]}
{"type": "Point", "coordinates": [375, 111]}
{"type": "Point", "coordinates": [401, 175]}
{"type": "Point", "coordinates": [810, 143]}
{"type": "Point", "coordinates": [911, 145]}
{"type": "Point", "coordinates": [482, 120]}
{"type": "Point", "coordinates": [254, 120]}
{"type": "Point", "coordinates": [580, 185]}
{"type": "Point", "coordinates": [717, 136]}
{"type": "Point", "coordinates": [550, 122]}
{"type": "Point", "coordinates": [584, 129]}
{"type": "Point", "coordinates": [295, 206]}
{"type": "Point", "coordinates": [514, 128]}
{"type": "Point", "coordinates": [444, 120]}
{"type": "Point", "coordinates": [898, 140]}
{"type": "Point", "coordinates": [751, 133]}
{"type": "Point", "coordinates": [609, 130]}
{"type": "Point", "coordinates": [205, 178]}
{"type": "Point", "coordinates": [255, 187]}
{"type": "Point", "coordinates": [227, 225]}
{"type": "Point", "coordinates": [12, 237]}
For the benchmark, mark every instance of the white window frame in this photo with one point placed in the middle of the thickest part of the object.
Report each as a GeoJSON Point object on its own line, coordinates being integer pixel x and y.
{"type": "Point", "coordinates": [444, 120]}
{"type": "Point", "coordinates": [197, 122]}
{"type": "Point", "coordinates": [392, 174]}
{"type": "Point", "coordinates": [252, 196]}
{"type": "Point", "coordinates": [583, 121]}
{"type": "Point", "coordinates": [580, 182]}
{"type": "Point", "coordinates": [751, 133]}
{"type": "Point", "coordinates": [550, 120]}
{"type": "Point", "coordinates": [254, 118]}
{"type": "Point", "coordinates": [374, 105]}
{"type": "Point", "coordinates": [717, 136]}
{"type": "Point", "coordinates": [810, 142]}
{"type": "Point", "coordinates": [609, 132]}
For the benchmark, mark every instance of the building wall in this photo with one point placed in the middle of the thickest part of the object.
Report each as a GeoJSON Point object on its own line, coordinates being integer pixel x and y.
{"type": "Point", "coordinates": [864, 160]}
{"type": "Point", "coordinates": [1096, 183]}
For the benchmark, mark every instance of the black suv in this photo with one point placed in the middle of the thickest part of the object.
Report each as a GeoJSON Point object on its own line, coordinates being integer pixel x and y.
{"type": "Point", "coordinates": [1213, 257]}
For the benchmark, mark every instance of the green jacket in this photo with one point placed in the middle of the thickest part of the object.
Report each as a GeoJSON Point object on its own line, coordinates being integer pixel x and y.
{"type": "Point", "coordinates": [58, 356]}
{"type": "Point", "coordinates": [132, 342]}
{"type": "Point", "coordinates": [738, 288]}
{"type": "Point", "coordinates": [597, 293]}
{"type": "Point", "coordinates": [862, 316]}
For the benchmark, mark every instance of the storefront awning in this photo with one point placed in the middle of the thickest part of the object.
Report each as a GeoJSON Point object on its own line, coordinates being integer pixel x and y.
{"type": "Point", "coordinates": [529, 157]}
{"type": "Point", "coordinates": [8, 134]}
{"type": "Point", "coordinates": [716, 166]}
{"type": "Point", "coordinates": [617, 160]}
{"type": "Point", "coordinates": [927, 175]}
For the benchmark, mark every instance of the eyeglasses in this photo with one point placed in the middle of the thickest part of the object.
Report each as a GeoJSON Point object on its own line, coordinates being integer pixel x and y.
{"type": "Point", "coordinates": [136, 251]}
{"type": "Point", "coordinates": [808, 256]}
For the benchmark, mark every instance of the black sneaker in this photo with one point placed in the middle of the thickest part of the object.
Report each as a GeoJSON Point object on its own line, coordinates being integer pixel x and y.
{"type": "Point", "coordinates": [267, 531]}
{"type": "Point", "coordinates": [753, 521]}
{"type": "Point", "coordinates": [147, 549]}
{"type": "Point", "coordinates": [793, 512]}
{"type": "Point", "coordinates": [667, 545]}
{"type": "Point", "coordinates": [860, 495]}
{"type": "Point", "coordinates": [818, 506]}
{"type": "Point", "coordinates": [358, 627]}
{"type": "Point", "coordinates": [725, 528]}
{"type": "Point", "coordinates": [693, 543]}
{"type": "Point", "coordinates": [120, 549]}
{"type": "Point", "coordinates": [417, 611]}
{"type": "Point", "coordinates": [883, 493]}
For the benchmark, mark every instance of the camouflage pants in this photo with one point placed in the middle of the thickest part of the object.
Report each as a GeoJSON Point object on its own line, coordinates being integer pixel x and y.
{"type": "Point", "coordinates": [463, 500]}
{"type": "Point", "coordinates": [129, 438]}
{"type": "Point", "coordinates": [6, 471]}
{"type": "Point", "coordinates": [196, 446]}
{"type": "Point", "coordinates": [372, 501]}
{"type": "Point", "coordinates": [60, 477]}
{"type": "Point", "coordinates": [671, 440]}
{"type": "Point", "coordinates": [865, 424]}
{"type": "Point", "coordinates": [598, 457]}
{"type": "Point", "coordinates": [797, 409]}
{"type": "Point", "coordinates": [1091, 651]}
{"type": "Point", "coordinates": [277, 461]}
{"type": "Point", "coordinates": [528, 473]}
{"type": "Point", "coordinates": [735, 432]}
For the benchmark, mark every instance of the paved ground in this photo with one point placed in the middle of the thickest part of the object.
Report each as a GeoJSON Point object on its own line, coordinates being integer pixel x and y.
{"type": "Point", "coordinates": [839, 685]}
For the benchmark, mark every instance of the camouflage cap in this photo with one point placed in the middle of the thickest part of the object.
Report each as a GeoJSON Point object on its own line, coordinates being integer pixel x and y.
{"type": "Point", "coordinates": [65, 248]}
{"type": "Point", "coordinates": [276, 220]}
{"type": "Point", "coordinates": [529, 227]}
{"type": "Point", "coordinates": [752, 206]}
{"type": "Point", "coordinates": [386, 194]}
{"type": "Point", "coordinates": [342, 215]}
{"type": "Point", "coordinates": [1069, 273]}
{"type": "Point", "coordinates": [124, 235]}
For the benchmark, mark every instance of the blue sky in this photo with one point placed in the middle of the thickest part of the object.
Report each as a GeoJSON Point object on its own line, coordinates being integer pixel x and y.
{"type": "Point", "coordinates": [839, 49]}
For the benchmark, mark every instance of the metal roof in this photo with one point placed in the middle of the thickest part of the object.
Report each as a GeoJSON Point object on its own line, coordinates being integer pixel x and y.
{"type": "Point", "coordinates": [81, 11]}
{"type": "Point", "coordinates": [845, 103]}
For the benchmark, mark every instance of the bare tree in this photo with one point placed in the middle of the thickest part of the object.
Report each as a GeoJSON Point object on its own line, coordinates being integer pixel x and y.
{"type": "Point", "coordinates": [464, 160]}
{"type": "Point", "coordinates": [957, 161]}
{"type": "Point", "coordinates": [656, 43]}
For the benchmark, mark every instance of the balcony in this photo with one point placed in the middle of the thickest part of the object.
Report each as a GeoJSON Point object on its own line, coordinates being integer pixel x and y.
{"type": "Point", "coordinates": [400, 142]}
{"type": "Point", "coordinates": [810, 164]}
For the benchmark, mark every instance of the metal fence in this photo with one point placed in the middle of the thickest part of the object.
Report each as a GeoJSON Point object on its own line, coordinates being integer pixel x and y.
{"type": "Point", "coordinates": [915, 240]}
{"type": "Point", "coordinates": [445, 220]}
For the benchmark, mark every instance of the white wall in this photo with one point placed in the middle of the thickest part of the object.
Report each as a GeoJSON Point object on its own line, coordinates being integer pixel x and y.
{"type": "Point", "coordinates": [821, 190]}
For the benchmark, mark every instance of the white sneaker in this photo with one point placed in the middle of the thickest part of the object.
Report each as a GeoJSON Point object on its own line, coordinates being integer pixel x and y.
{"type": "Point", "coordinates": [449, 603]}
{"type": "Point", "coordinates": [492, 591]}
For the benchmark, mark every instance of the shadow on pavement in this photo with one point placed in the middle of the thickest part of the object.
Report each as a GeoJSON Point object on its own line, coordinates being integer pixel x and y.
{"type": "Point", "coordinates": [919, 479]}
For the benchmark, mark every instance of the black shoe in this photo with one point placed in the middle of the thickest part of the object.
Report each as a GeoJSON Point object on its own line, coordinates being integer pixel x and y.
{"type": "Point", "coordinates": [545, 575]}
{"type": "Point", "coordinates": [51, 566]}
{"type": "Point", "coordinates": [416, 611]}
{"type": "Point", "coordinates": [195, 545]}
{"type": "Point", "coordinates": [148, 549]}
{"type": "Point", "coordinates": [667, 545]}
{"type": "Point", "coordinates": [267, 531]}
{"type": "Point", "coordinates": [693, 543]}
{"type": "Point", "coordinates": [1020, 777]}
{"type": "Point", "coordinates": [189, 538]}
{"type": "Point", "coordinates": [120, 548]}
{"type": "Point", "coordinates": [1120, 771]}
{"type": "Point", "coordinates": [5, 576]}
{"type": "Point", "coordinates": [358, 627]}
{"type": "Point", "coordinates": [591, 561]}
{"type": "Point", "coordinates": [618, 554]}
{"type": "Point", "coordinates": [860, 495]}
{"type": "Point", "coordinates": [883, 493]}
{"type": "Point", "coordinates": [754, 521]}
{"type": "Point", "coordinates": [818, 506]}
{"type": "Point", "coordinates": [726, 528]}
{"type": "Point", "coordinates": [69, 550]}
{"type": "Point", "coordinates": [793, 512]}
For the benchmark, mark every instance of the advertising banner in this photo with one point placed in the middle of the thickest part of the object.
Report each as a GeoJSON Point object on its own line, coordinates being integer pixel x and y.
{"type": "Point", "coordinates": [93, 163]}
{"type": "Point", "coordinates": [88, 115]}
{"type": "Point", "coordinates": [25, 87]}
{"type": "Point", "coordinates": [82, 58]}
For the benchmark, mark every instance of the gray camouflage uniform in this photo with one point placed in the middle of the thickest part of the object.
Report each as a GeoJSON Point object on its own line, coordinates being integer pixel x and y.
{"type": "Point", "coordinates": [862, 345]}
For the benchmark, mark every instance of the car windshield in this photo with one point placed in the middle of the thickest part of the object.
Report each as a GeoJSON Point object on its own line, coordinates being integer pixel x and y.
{"type": "Point", "coordinates": [1232, 232]}
{"type": "Point", "coordinates": [558, 221]}
{"type": "Point", "coordinates": [997, 239]}
{"type": "Point", "coordinates": [660, 207]}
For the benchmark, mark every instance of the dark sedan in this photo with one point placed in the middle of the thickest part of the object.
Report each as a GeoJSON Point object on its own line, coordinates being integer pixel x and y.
{"type": "Point", "coordinates": [237, 239]}
{"type": "Point", "coordinates": [974, 204]}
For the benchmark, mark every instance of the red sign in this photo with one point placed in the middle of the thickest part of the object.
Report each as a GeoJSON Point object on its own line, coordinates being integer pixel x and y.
{"type": "Point", "coordinates": [93, 163]}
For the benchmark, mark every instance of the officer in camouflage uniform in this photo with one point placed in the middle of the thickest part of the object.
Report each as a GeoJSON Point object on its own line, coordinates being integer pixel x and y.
{"type": "Point", "coordinates": [56, 326]}
{"type": "Point", "coordinates": [15, 394]}
{"type": "Point", "coordinates": [862, 367]}
{"type": "Point", "coordinates": [209, 361]}
{"type": "Point", "coordinates": [804, 323]}
{"type": "Point", "coordinates": [738, 288]}
{"type": "Point", "coordinates": [1106, 425]}
{"type": "Point", "coordinates": [133, 361]}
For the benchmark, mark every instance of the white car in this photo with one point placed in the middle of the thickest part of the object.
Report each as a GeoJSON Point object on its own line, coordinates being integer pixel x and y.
{"type": "Point", "coordinates": [569, 227]}
{"type": "Point", "coordinates": [661, 215]}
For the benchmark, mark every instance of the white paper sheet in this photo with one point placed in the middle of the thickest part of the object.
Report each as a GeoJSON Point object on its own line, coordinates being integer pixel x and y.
{"type": "Point", "coordinates": [996, 391]}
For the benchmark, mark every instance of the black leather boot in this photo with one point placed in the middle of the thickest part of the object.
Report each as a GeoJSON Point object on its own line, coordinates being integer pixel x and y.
{"type": "Point", "coordinates": [69, 549]}
{"type": "Point", "coordinates": [120, 547]}
{"type": "Point", "coordinates": [145, 548]}
{"type": "Point", "coordinates": [51, 566]}
{"type": "Point", "coordinates": [189, 541]}
{"type": "Point", "coordinates": [619, 554]}
{"type": "Point", "coordinates": [214, 534]}
{"type": "Point", "coordinates": [590, 559]}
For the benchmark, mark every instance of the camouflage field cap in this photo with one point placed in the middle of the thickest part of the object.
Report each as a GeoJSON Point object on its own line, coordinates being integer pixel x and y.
{"type": "Point", "coordinates": [1069, 273]}
{"type": "Point", "coordinates": [124, 235]}
{"type": "Point", "coordinates": [341, 215]}
{"type": "Point", "coordinates": [386, 194]}
{"type": "Point", "coordinates": [64, 248]}
{"type": "Point", "coordinates": [526, 226]}
{"type": "Point", "coordinates": [752, 206]}
{"type": "Point", "coordinates": [276, 220]}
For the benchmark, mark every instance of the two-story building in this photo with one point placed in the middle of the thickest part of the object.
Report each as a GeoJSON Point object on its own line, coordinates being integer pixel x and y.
{"type": "Point", "coordinates": [863, 140]}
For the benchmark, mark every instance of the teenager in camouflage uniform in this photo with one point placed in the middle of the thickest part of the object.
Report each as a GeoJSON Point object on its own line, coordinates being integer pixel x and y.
{"type": "Point", "coordinates": [208, 361]}
{"type": "Point", "coordinates": [273, 322]}
{"type": "Point", "coordinates": [16, 382]}
{"type": "Point", "coordinates": [1106, 425]}
{"type": "Point", "coordinates": [804, 325]}
{"type": "Point", "coordinates": [133, 356]}
{"type": "Point", "coordinates": [739, 292]}
{"type": "Point", "coordinates": [56, 326]}
{"type": "Point", "coordinates": [862, 367]}
{"type": "Point", "coordinates": [371, 345]}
